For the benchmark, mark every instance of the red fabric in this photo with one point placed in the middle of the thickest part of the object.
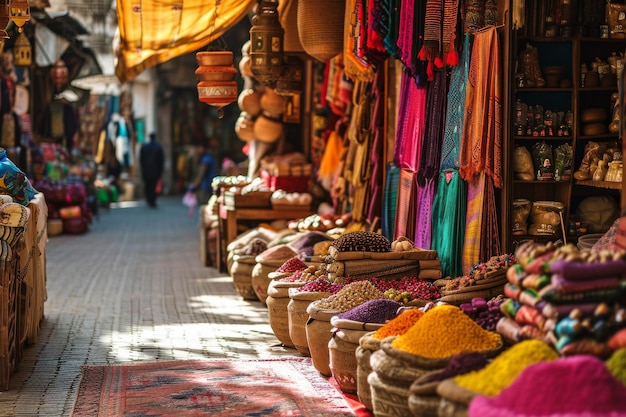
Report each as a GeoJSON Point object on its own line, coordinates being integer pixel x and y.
{"type": "Point", "coordinates": [353, 401]}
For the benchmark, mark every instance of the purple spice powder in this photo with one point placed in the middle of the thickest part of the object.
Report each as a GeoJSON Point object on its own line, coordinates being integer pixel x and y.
{"type": "Point", "coordinates": [373, 311]}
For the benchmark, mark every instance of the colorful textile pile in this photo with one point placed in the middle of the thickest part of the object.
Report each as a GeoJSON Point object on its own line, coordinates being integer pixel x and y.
{"type": "Point", "coordinates": [569, 298]}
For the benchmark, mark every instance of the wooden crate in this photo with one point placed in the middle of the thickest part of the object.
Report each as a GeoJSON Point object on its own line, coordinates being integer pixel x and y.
{"type": "Point", "coordinates": [9, 308]}
{"type": "Point", "coordinates": [259, 199]}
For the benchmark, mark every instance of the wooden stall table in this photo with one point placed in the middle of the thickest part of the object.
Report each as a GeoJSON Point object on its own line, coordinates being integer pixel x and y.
{"type": "Point", "coordinates": [230, 216]}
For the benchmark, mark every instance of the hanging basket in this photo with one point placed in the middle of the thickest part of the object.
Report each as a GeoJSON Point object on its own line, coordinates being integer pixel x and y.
{"type": "Point", "coordinates": [320, 27]}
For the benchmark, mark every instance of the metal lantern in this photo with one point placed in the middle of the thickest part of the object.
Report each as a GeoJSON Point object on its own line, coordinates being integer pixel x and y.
{"type": "Point", "coordinates": [22, 51]}
{"type": "Point", "coordinates": [266, 44]}
{"type": "Point", "coordinates": [20, 13]}
{"type": "Point", "coordinates": [5, 14]}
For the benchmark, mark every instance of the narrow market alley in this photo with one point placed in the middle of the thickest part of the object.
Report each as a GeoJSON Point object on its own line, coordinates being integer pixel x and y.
{"type": "Point", "coordinates": [131, 289]}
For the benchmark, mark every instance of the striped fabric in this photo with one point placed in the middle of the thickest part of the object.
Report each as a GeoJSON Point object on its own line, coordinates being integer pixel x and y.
{"type": "Point", "coordinates": [390, 198]}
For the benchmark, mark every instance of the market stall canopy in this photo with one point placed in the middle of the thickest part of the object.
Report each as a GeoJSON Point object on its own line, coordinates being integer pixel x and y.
{"type": "Point", "coordinates": [151, 33]}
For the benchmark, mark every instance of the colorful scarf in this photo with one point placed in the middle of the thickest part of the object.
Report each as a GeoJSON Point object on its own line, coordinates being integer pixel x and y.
{"type": "Point", "coordinates": [412, 117]}
{"type": "Point", "coordinates": [481, 147]}
{"type": "Point", "coordinates": [440, 25]}
{"type": "Point", "coordinates": [356, 66]}
{"type": "Point", "coordinates": [390, 201]}
{"type": "Point", "coordinates": [451, 147]}
{"type": "Point", "coordinates": [473, 222]}
{"type": "Point", "coordinates": [448, 222]}
{"type": "Point", "coordinates": [377, 147]}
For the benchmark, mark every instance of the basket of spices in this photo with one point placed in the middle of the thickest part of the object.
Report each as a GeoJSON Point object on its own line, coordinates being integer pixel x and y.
{"type": "Point", "coordinates": [442, 332]}
{"type": "Point", "coordinates": [267, 262]}
{"type": "Point", "coordinates": [278, 297]}
{"type": "Point", "coordinates": [318, 328]}
{"type": "Point", "coordinates": [370, 343]}
{"type": "Point", "coordinates": [243, 262]}
{"type": "Point", "coordinates": [458, 391]}
{"type": "Point", "coordinates": [424, 400]}
{"type": "Point", "coordinates": [348, 329]}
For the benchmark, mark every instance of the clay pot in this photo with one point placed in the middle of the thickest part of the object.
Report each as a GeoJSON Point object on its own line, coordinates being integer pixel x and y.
{"type": "Point", "coordinates": [273, 103]}
{"type": "Point", "coordinates": [217, 58]}
{"type": "Point", "coordinates": [553, 75]}
{"type": "Point", "coordinates": [244, 127]}
{"type": "Point", "coordinates": [267, 129]}
{"type": "Point", "coordinates": [249, 101]}
{"type": "Point", "coordinates": [215, 73]}
{"type": "Point", "coordinates": [593, 115]}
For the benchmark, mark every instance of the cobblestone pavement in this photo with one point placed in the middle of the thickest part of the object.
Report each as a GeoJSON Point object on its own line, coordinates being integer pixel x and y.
{"type": "Point", "coordinates": [132, 289]}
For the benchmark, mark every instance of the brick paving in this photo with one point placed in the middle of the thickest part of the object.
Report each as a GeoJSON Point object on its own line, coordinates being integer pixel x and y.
{"type": "Point", "coordinates": [132, 289]}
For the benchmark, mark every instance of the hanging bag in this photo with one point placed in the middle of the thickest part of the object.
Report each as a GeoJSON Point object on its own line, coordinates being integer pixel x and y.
{"type": "Point", "coordinates": [616, 20]}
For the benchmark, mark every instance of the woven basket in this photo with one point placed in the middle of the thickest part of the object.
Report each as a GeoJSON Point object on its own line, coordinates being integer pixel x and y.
{"type": "Point", "coordinates": [318, 334]}
{"type": "Point", "coordinates": [460, 297]}
{"type": "Point", "coordinates": [424, 406]}
{"type": "Point", "coordinates": [346, 324]}
{"type": "Point", "coordinates": [388, 400]}
{"type": "Point", "coordinates": [260, 279]}
{"type": "Point", "coordinates": [241, 272]}
{"type": "Point", "coordinates": [277, 301]}
{"type": "Point", "coordinates": [320, 27]}
{"type": "Point", "coordinates": [367, 345]}
{"type": "Point", "coordinates": [449, 390]}
{"type": "Point", "coordinates": [449, 408]}
{"type": "Point", "coordinates": [343, 363]}
{"type": "Point", "coordinates": [297, 317]}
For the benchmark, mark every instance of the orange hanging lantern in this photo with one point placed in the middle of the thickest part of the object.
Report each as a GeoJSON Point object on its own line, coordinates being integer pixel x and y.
{"type": "Point", "coordinates": [216, 75]}
{"type": "Point", "coordinates": [22, 51]}
{"type": "Point", "coordinates": [266, 44]}
{"type": "Point", "coordinates": [20, 13]}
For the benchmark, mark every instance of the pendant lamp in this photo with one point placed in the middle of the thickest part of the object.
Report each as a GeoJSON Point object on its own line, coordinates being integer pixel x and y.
{"type": "Point", "coordinates": [216, 75]}
{"type": "Point", "coordinates": [20, 13]}
{"type": "Point", "coordinates": [22, 51]}
{"type": "Point", "coordinates": [266, 44]}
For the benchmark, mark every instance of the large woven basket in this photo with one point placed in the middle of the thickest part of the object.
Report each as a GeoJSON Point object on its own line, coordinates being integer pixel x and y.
{"type": "Point", "coordinates": [388, 400]}
{"type": "Point", "coordinates": [277, 301]}
{"type": "Point", "coordinates": [297, 317]}
{"type": "Point", "coordinates": [367, 345]}
{"type": "Point", "coordinates": [320, 27]}
{"type": "Point", "coordinates": [259, 278]}
{"type": "Point", "coordinates": [343, 363]}
{"type": "Point", "coordinates": [241, 272]}
{"type": "Point", "coordinates": [318, 334]}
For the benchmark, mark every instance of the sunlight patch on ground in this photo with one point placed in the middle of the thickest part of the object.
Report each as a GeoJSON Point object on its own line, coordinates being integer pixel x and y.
{"type": "Point", "coordinates": [192, 341]}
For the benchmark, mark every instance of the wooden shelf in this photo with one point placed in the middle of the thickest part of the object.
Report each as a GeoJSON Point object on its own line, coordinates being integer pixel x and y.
{"type": "Point", "coordinates": [546, 138]}
{"type": "Point", "coordinates": [601, 184]}
{"type": "Point", "coordinates": [550, 182]}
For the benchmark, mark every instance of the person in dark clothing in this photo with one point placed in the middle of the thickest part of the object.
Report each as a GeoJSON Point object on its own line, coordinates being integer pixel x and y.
{"type": "Point", "coordinates": [151, 160]}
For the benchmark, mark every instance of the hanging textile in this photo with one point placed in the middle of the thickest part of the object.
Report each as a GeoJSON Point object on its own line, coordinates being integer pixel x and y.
{"type": "Point", "coordinates": [481, 147]}
{"type": "Point", "coordinates": [331, 160]}
{"type": "Point", "coordinates": [440, 25]}
{"type": "Point", "coordinates": [449, 210]}
{"type": "Point", "coordinates": [151, 33]}
{"type": "Point", "coordinates": [451, 148]}
{"type": "Point", "coordinates": [390, 201]}
{"type": "Point", "coordinates": [374, 40]}
{"type": "Point", "coordinates": [490, 235]}
{"type": "Point", "coordinates": [390, 13]}
{"type": "Point", "coordinates": [410, 132]}
{"type": "Point", "coordinates": [356, 66]}
{"type": "Point", "coordinates": [429, 159]}
{"type": "Point", "coordinates": [377, 154]}
{"type": "Point", "coordinates": [450, 204]}
{"type": "Point", "coordinates": [357, 169]}
{"type": "Point", "coordinates": [473, 221]}
{"type": "Point", "coordinates": [410, 35]}
{"type": "Point", "coordinates": [405, 215]}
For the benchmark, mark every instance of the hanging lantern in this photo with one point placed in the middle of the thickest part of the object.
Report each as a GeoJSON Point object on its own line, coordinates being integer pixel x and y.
{"type": "Point", "coordinates": [290, 82]}
{"type": "Point", "coordinates": [266, 44]}
{"type": "Point", "coordinates": [5, 14]}
{"type": "Point", "coordinates": [22, 51]}
{"type": "Point", "coordinates": [20, 13]}
{"type": "Point", "coordinates": [216, 74]}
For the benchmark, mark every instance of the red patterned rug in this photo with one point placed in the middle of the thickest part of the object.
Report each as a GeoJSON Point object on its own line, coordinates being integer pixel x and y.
{"type": "Point", "coordinates": [215, 387]}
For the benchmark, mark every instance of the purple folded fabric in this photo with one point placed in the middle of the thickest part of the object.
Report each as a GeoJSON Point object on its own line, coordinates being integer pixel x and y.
{"type": "Point", "coordinates": [559, 282]}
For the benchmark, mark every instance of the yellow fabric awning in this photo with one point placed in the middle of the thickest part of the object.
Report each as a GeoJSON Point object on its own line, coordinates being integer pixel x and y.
{"type": "Point", "coordinates": [152, 32]}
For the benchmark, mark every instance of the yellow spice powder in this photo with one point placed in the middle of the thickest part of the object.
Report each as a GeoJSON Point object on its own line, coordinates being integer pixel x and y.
{"type": "Point", "coordinates": [445, 331]}
{"type": "Point", "coordinates": [503, 370]}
